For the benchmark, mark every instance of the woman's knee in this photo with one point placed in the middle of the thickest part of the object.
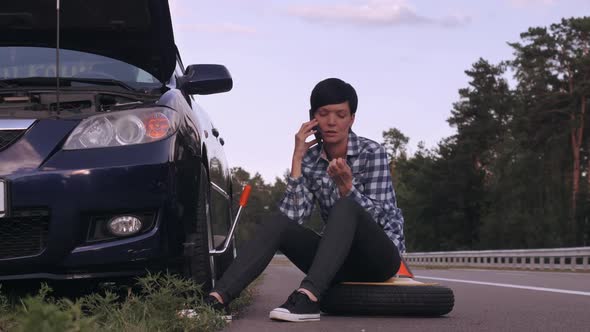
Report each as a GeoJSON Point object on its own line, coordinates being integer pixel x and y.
{"type": "Point", "coordinates": [274, 222]}
{"type": "Point", "coordinates": [346, 205]}
{"type": "Point", "coordinates": [346, 209]}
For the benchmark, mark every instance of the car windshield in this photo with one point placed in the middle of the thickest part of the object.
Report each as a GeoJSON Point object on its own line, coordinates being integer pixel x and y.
{"type": "Point", "coordinates": [25, 62]}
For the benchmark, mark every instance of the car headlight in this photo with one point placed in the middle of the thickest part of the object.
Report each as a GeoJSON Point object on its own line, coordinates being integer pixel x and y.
{"type": "Point", "coordinates": [123, 128]}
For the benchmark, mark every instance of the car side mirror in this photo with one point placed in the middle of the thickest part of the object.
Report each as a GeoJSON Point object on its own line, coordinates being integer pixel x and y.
{"type": "Point", "coordinates": [206, 80]}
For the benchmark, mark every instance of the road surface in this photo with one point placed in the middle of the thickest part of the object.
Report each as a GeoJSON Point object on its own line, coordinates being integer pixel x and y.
{"type": "Point", "coordinates": [485, 300]}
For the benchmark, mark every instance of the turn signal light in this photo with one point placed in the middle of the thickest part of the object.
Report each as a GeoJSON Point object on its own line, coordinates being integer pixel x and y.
{"type": "Point", "coordinates": [157, 125]}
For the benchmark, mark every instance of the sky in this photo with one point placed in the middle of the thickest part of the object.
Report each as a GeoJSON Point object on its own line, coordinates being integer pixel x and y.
{"type": "Point", "coordinates": [405, 58]}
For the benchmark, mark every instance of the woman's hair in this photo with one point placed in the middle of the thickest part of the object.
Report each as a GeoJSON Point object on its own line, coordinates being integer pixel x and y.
{"type": "Point", "coordinates": [332, 91]}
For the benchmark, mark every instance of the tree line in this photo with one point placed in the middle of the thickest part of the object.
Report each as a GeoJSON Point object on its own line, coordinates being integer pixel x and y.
{"type": "Point", "coordinates": [515, 174]}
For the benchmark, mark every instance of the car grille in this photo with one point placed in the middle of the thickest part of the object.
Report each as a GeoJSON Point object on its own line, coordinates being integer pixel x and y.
{"type": "Point", "coordinates": [7, 137]}
{"type": "Point", "coordinates": [23, 234]}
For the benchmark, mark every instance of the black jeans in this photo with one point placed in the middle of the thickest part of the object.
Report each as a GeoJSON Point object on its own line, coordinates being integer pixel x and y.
{"type": "Point", "coordinates": [352, 248]}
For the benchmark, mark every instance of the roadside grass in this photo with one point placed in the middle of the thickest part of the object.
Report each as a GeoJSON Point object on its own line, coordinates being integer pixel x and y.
{"type": "Point", "coordinates": [152, 304]}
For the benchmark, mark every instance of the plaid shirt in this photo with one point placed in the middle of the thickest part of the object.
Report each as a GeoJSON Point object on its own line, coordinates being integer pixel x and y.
{"type": "Point", "coordinates": [371, 187]}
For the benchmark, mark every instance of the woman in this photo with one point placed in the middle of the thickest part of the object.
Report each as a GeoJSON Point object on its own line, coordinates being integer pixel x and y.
{"type": "Point", "coordinates": [349, 177]}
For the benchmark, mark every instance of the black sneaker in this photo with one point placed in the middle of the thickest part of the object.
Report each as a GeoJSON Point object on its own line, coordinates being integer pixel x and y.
{"type": "Point", "coordinates": [298, 308]}
{"type": "Point", "coordinates": [218, 306]}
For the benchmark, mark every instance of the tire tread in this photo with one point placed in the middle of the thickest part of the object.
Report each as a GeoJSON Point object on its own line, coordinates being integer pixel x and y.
{"type": "Point", "coordinates": [388, 300]}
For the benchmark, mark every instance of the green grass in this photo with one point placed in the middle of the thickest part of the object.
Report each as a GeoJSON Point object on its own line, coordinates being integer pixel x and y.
{"type": "Point", "coordinates": [151, 305]}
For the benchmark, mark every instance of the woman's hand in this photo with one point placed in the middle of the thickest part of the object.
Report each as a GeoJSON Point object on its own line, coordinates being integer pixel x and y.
{"type": "Point", "coordinates": [306, 130]}
{"type": "Point", "coordinates": [301, 146]}
{"type": "Point", "coordinates": [341, 173]}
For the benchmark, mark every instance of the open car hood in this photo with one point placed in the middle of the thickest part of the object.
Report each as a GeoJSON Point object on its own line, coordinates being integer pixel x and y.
{"type": "Point", "coordinates": [138, 32]}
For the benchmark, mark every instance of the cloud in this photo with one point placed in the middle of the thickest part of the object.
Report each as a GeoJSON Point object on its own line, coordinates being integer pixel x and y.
{"type": "Point", "coordinates": [374, 12]}
{"type": "Point", "coordinates": [230, 28]}
{"type": "Point", "coordinates": [531, 3]}
{"type": "Point", "coordinates": [181, 16]}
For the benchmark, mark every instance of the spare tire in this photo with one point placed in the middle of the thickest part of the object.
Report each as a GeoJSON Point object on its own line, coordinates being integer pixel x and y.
{"type": "Point", "coordinates": [388, 298]}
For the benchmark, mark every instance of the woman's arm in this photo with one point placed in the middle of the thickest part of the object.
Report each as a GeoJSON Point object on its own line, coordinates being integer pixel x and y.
{"type": "Point", "coordinates": [297, 204]}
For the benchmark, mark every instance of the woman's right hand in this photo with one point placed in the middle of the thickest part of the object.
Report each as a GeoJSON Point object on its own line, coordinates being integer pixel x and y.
{"type": "Point", "coordinates": [301, 146]}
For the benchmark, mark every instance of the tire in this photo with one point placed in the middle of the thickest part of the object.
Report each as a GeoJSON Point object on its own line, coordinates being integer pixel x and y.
{"type": "Point", "coordinates": [197, 264]}
{"type": "Point", "coordinates": [375, 299]}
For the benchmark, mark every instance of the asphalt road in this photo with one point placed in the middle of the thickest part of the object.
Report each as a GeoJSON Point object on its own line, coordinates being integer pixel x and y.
{"type": "Point", "coordinates": [485, 300]}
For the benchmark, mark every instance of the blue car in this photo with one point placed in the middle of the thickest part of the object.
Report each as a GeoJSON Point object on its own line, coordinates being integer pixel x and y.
{"type": "Point", "coordinates": [108, 166]}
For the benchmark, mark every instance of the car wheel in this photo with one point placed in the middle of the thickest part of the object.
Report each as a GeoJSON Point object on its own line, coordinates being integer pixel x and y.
{"type": "Point", "coordinates": [197, 261]}
{"type": "Point", "coordinates": [388, 299]}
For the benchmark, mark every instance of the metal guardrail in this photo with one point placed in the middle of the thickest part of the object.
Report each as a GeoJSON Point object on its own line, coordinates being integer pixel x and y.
{"type": "Point", "coordinates": [571, 259]}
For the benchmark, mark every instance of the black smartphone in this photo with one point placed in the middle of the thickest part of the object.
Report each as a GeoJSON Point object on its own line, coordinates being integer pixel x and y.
{"type": "Point", "coordinates": [318, 131]}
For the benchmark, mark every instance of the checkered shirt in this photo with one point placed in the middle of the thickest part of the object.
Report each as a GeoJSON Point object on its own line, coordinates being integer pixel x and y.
{"type": "Point", "coordinates": [371, 187]}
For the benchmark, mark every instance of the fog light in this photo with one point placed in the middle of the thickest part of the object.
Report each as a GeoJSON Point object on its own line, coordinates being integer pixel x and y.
{"type": "Point", "coordinates": [124, 225]}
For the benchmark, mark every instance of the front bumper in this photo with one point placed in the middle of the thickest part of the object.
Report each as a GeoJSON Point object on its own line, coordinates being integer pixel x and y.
{"type": "Point", "coordinates": [51, 209]}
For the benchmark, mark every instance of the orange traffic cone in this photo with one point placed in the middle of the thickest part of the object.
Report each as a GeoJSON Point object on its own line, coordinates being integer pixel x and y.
{"type": "Point", "coordinates": [404, 271]}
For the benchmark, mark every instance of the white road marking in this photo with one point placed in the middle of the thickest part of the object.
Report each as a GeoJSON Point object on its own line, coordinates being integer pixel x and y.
{"type": "Point", "coordinates": [543, 289]}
